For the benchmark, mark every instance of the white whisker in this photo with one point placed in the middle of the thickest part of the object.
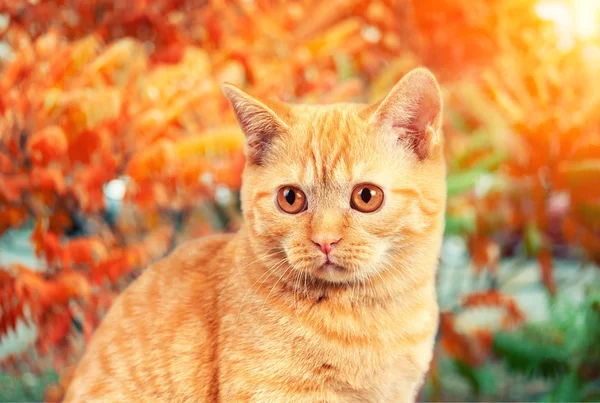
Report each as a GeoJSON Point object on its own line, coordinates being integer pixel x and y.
{"type": "Point", "coordinates": [251, 263]}
{"type": "Point", "coordinates": [275, 286]}
{"type": "Point", "coordinates": [265, 275]}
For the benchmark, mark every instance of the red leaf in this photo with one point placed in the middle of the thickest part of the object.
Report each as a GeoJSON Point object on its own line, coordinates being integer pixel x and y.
{"type": "Point", "coordinates": [546, 266]}
{"type": "Point", "coordinates": [12, 217]}
{"type": "Point", "coordinates": [88, 187]}
{"type": "Point", "coordinates": [46, 243]}
{"type": "Point", "coordinates": [83, 147]}
{"type": "Point", "coordinates": [457, 344]}
{"type": "Point", "coordinates": [492, 298]}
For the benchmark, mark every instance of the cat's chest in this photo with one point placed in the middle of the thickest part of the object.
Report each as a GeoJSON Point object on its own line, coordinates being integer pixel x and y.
{"type": "Point", "coordinates": [357, 356]}
{"type": "Point", "coordinates": [351, 347]}
{"type": "Point", "coordinates": [363, 344]}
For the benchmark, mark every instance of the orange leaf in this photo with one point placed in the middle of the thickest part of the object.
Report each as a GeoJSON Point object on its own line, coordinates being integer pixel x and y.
{"type": "Point", "coordinates": [485, 253]}
{"type": "Point", "coordinates": [12, 217]}
{"type": "Point", "coordinates": [48, 180]}
{"type": "Point", "coordinates": [112, 268]}
{"type": "Point", "coordinates": [230, 173]}
{"type": "Point", "coordinates": [88, 186]}
{"type": "Point", "coordinates": [83, 147]}
{"type": "Point", "coordinates": [46, 243]}
{"type": "Point", "coordinates": [54, 394]}
{"type": "Point", "coordinates": [152, 162]}
{"type": "Point", "coordinates": [83, 251]}
{"type": "Point", "coordinates": [54, 328]}
{"type": "Point", "coordinates": [6, 164]}
{"type": "Point", "coordinates": [46, 145]}
{"type": "Point", "coordinates": [13, 186]}
{"type": "Point", "coordinates": [189, 173]}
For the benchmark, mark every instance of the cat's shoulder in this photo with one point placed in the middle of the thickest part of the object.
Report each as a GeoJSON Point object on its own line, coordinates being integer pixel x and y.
{"type": "Point", "coordinates": [196, 254]}
{"type": "Point", "coordinates": [182, 272]}
{"type": "Point", "coordinates": [201, 249]}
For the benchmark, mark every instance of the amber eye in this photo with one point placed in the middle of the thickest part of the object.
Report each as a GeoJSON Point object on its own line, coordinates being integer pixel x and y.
{"type": "Point", "coordinates": [291, 200]}
{"type": "Point", "coordinates": [366, 198]}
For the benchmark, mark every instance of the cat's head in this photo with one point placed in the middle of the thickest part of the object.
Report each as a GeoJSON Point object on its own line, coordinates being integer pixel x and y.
{"type": "Point", "coordinates": [341, 191]}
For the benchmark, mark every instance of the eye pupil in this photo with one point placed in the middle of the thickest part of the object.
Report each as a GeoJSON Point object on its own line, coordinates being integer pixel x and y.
{"type": "Point", "coordinates": [290, 196]}
{"type": "Point", "coordinates": [365, 195]}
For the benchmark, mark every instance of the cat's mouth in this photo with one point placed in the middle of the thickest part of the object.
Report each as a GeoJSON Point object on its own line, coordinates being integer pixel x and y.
{"type": "Point", "coordinates": [332, 272]}
{"type": "Point", "coordinates": [328, 265]}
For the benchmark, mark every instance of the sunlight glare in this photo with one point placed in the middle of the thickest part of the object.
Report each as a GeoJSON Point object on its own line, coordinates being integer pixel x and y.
{"type": "Point", "coordinates": [574, 19]}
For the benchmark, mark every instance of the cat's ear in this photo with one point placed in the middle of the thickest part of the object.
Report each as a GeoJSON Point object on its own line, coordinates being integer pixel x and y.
{"type": "Point", "coordinates": [259, 123]}
{"type": "Point", "coordinates": [412, 111]}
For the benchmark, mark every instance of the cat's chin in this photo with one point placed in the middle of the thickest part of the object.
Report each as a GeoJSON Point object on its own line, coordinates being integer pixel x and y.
{"type": "Point", "coordinates": [333, 273]}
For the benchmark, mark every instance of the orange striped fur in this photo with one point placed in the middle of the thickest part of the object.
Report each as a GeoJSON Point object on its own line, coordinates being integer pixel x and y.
{"type": "Point", "coordinates": [256, 316]}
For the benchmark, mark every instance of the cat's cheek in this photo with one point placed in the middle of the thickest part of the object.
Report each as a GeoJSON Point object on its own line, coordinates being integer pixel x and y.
{"type": "Point", "coordinates": [415, 219]}
{"type": "Point", "coordinates": [258, 223]}
{"type": "Point", "coordinates": [277, 228]}
{"type": "Point", "coordinates": [381, 247]}
{"type": "Point", "coordinates": [266, 225]}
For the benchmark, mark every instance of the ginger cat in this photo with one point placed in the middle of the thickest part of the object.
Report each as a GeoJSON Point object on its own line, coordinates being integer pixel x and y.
{"type": "Point", "coordinates": [325, 295]}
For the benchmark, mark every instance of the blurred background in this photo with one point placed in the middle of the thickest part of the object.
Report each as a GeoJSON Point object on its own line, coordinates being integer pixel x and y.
{"type": "Point", "coordinates": [116, 145]}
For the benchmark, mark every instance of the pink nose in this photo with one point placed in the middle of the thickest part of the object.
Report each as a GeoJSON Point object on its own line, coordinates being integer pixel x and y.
{"type": "Point", "coordinates": [325, 243]}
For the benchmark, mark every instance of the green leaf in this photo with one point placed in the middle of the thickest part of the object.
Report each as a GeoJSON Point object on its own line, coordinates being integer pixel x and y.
{"type": "Point", "coordinates": [478, 140]}
{"type": "Point", "coordinates": [534, 240]}
{"type": "Point", "coordinates": [345, 66]}
{"type": "Point", "coordinates": [458, 122]}
{"type": "Point", "coordinates": [25, 388]}
{"type": "Point", "coordinates": [461, 224]}
{"type": "Point", "coordinates": [531, 356]}
{"type": "Point", "coordinates": [481, 379]}
{"type": "Point", "coordinates": [592, 397]}
{"type": "Point", "coordinates": [491, 162]}
{"type": "Point", "coordinates": [568, 389]}
{"type": "Point", "coordinates": [462, 182]}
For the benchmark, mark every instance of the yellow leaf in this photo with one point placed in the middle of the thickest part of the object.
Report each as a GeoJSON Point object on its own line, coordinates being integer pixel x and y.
{"type": "Point", "coordinates": [212, 143]}
{"type": "Point", "coordinates": [332, 39]}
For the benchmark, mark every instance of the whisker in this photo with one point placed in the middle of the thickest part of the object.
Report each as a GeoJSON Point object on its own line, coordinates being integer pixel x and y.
{"type": "Point", "coordinates": [305, 289]}
{"type": "Point", "coordinates": [265, 275]}
{"type": "Point", "coordinates": [251, 263]}
{"type": "Point", "coordinates": [295, 288]}
{"type": "Point", "coordinates": [388, 268]}
{"type": "Point", "coordinates": [274, 286]}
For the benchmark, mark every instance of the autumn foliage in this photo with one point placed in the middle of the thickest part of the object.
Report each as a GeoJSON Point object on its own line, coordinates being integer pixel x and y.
{"type": "Point", "coordinates": [116, 143]}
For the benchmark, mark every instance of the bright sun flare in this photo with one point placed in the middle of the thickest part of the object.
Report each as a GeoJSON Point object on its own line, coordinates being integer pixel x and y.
{"type": "Point", "coordinates": [574, 19]}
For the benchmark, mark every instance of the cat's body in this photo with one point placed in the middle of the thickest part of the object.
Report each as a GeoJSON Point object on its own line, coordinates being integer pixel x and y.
{"type": "Point", "coordinates": [325, 303]}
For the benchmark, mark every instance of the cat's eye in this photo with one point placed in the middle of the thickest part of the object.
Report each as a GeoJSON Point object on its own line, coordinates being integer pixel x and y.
{"type": "Point", "coordinates": [291, 200]}
{"type": "Point", "coordinates": [366, 198]}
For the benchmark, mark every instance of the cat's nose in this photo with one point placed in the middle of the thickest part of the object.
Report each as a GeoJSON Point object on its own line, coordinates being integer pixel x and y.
{"type": "Point", "coordinates": [326, 243]}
